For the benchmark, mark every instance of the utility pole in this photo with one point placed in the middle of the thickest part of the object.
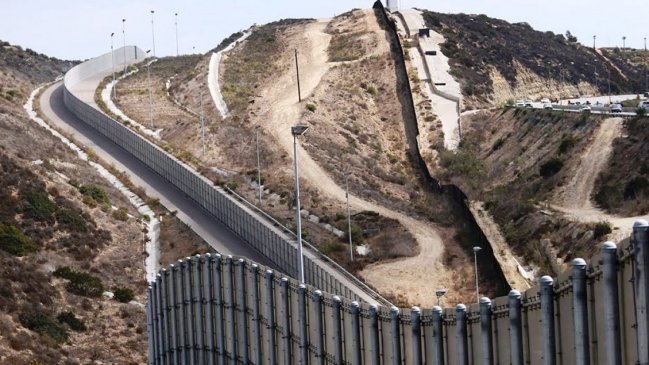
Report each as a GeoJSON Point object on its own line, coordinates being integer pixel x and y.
{"type": "Point", "coordinates": [623, 43]}
{"type": "Point", "coordinates": [297, 70]}
{"type": "Point", "coordinates": [258, 164]}
{"type": "Point", "coordinates": [349, 216]}
{"type": "Point", "coordinates": [646, 75]}
{"type": "Point", "coordinates": [124, 36]}
{"type": "Point", "coordinates": [176, 24]}
{"type": "Point", "coordinates": [594, 37]}
{"type": "Point", "coordinates": [112, 59]}
{"type": "Point", "coordinates": [202, 125]}
{"type": "Point", "coordinates": [153, 32]}
{"type": "Point", "coordinates": [148, 76]}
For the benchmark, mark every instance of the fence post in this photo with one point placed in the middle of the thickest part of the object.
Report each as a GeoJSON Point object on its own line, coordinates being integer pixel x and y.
{"type": "Point", "coordinates": [641, 284]}
{"type": "Point", "coordinates": [209, 310]}
{"type": "Point", "coordinates": [286, 322]}
{"type": "Point", "coordinates": [396, 335]}
{"type": "Point", "coordinates": [220, 307]}
{"type": "Point", "coordinates": [270, 316]}
{"type": "Point", "coordinates": [200, 306]}
{"type": "Point", "coordinates": [304, 344]}
{"type": "Point", "coordinates": [515, 327]}
{"type": "Point", "coordinates": [415, 314]}
{"type": "Point", "coordinates": [189, 310]}
{"type": "Point", "coordinates": [461, 335]}
{"type": "Point", "coordinates": [230, 305]}
{"type": "Point", "coordinates": [317, 309]}
{"type": "Point", "coordinates": [180, 289]}
{"type": "Point", "coordinates": [337, 331]}
{"type": "Point", "coordinates": [356, 334]}
{"type": "Point", "coordinates": [243, 312]}
{"type": "Point", "coordinates": [256, 314]}
{"type": "Point", "coordinates": [485, 328]}
{"type": "Point", "coordinates": [150, 327]}
{"type": "Point", "coordinates": [580, 310]}
{"type": "Point", "coordinates": [547, 320]}
{"type": "Point", "coordinates": [611, 303]}
{"type": "Point", "coordinates": [374, 335]}
{"type": "Point", "coordinates": [162, 319]}
{"type": "Point", "coordinates": [438, 335]}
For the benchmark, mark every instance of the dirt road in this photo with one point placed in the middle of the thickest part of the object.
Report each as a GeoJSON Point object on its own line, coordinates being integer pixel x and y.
{"type": "Point", "coordinates": [574, 198]}
{"type": "Point", "coordinates": [414, 278]}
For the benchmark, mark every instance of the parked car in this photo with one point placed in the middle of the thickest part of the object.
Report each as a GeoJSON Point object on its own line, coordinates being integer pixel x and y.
{"type": "Point", "coordinates": [646, 94]}
{"type": "Point", "coordinates": [585, 108]}
{"type": "Point", "coordinates": [528, 104]}
{"type": "Point", "coordinates": [644, 104]}
{"type": "Point", "coordinates": [616, 108]}
{"type": "Point", "coordinates": [545, 101]}
{"type": "Point", "coordinates": [548, 106]}
{"type": "Point", "coordinates": [520, 103]}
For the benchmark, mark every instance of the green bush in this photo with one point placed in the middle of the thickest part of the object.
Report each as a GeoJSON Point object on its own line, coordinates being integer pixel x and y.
{"type": "Point", "coordinates": [551, 167]}
{"type": "Point", "coordinates": [601, 229]}
{"type": "Point", "coordinates": [635, 187]}
{"type": "Point", "coordinates": [71, 320]}
{"type": "Point", "coordinates": [72, 220]}
{"type": "Point", "coordinates": [608, 197]}
{"type": "Point", "coordinates": [310, 107]}
{"type": "Point", "coordinates": [123, 295]}
{"type": "Point", "coordinates": [15, 242]}
{"type": "Point", "coordinates": [80, 283]}
{"type": "Point", "coordinates": [499, 143]}
{"type": "Point", "coordinates": [120, 214]}
{"type": "Point", "coordinates": [38, 206]}
{"type": "Point", "coordinates": [641, 112]}
{"type": "Point", "coordinates": [44, 325]}
{"type": "Point", "coordinates": [95, 192]}
{"type": "Point", "coordinates": [568, 141]}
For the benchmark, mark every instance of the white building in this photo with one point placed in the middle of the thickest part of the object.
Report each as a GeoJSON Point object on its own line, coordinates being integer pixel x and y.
{"type": "Point", "coordinates": [393, 5]}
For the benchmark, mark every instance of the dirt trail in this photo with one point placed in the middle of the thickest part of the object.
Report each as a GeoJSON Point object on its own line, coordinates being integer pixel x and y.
{"type": "Point", "coordinates": [414, 278]}
{"type": "Point", "coordinates": [574, 198]}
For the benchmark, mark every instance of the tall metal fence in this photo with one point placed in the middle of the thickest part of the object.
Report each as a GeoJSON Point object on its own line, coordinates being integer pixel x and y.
{"type": "Point", "coordinates": [210, 309]}
{"type": "Point", "coordinates": [261, 234]}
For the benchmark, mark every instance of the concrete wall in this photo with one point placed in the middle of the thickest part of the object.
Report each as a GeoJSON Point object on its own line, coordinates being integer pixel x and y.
{"type": "Point", "coordinates": [262, 235]}
{"type": "Point", "coordinates": [213, 309]}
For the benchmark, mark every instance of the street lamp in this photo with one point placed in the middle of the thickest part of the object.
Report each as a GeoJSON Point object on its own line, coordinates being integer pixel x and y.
{"type": "Point", "coordinates": [298, 130]}
{"type": "Point", "coordinates": [124, 36]}
{"type": "Point", "coordinates": [476, 249]}
{"type": "Point", "coordinates": [202, 125]}
{"type": "Point", "coordinates": [148, 77]}
{"type": "Point", "coordinates": [112, 60]}
{"type": "Point", "coordinates": [176, 24]}
{"type": "Point", "coordinates": [153, 32]}
{"type": "Point", "coordinates": [608, 71]}
{"type": "Point", "coordinates": [594, 37]}
{"type": "Point", "coordinates": [623, 43]}
{"type": "Point", "coordinates": [349, 216]}
{"type": "Point", "coordinates": [439, 293]}
{"type": "Point", "coordinates": [258, 162]}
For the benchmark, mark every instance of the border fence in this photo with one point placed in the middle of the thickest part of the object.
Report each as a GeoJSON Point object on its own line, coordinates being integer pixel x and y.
{"type": "Point", "coordinates": [211, 309]}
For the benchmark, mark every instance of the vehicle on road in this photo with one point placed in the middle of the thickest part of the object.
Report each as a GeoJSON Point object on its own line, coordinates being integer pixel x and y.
{"type": "Point", "coordinates": [520, 103]}
{"type": "Point", "coordinates": [644, 104]}
{"type": "Point", "coordinates": [548, 106]}
{"type": "Point", "coordinates": [528, 104]}
{"type": "Point", "coordinates": [545, 101]}
{"type": "Point", "coordinates": [585, 108]}
{"type": "Point", "coordinates": [616, 108]}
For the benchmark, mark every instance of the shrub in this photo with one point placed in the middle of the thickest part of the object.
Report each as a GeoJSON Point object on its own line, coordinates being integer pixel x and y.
{"type": "Point", "coordinates": [95, 192]}
{"type": "Point", "coordinates": [15, 242]}
{"type": "Point", "coordinates": [71, 320]}
{"type": "Point", "coordinates": [635, 187]}
{"type": "Point", "coordinates": [38, 206]}
{"type": "Point", "coordinates": [123, 295]}
{"type": "Point", "coordinates": [641, 112]}
{"type": "Point", "coordinates": [499, 143]}
{"type": "Point", "coordinates": [568, 141]}
{"type": "Point", "coordinates": [601, 229]}
{"type": "Point", "coordinates": [608, 196]}
{"type": "Point", "coordinates": [121, 214]}
{"type": "Point", "coordinates": [311, 107]}
{"type": "Point", "coordinates": [71, 220]}
{"type": "Point", "coordinates": [80, 283]}
{"type": "Point", "coordinates": [44, 325]}
{"type": "Point", "coordinates": [551, 167]}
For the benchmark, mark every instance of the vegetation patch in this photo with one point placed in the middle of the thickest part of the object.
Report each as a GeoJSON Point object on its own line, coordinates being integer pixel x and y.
{"type": "Point", "coordinates": [95, 192]}
{"type": "Point", "coordinates": [80, 283]}
{"type": "Point", "coordinates": [71, 220]}
{"type": "Point", "coordinates": [38, 206]}
{"type": "Point", "coordinates": [72, 321]}
{"type": "Point", "coordinates": [15, 242]}
{"type": "Point", "coordinates": [123, 295]}
{"type": "Point", "coordinates": [44, 325]}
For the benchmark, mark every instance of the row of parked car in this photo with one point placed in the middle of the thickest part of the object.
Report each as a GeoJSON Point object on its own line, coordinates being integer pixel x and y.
{"type": "Point", "coordinates": [546, 103]}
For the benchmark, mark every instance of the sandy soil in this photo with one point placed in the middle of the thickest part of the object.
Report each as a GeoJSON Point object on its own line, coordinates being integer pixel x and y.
{"type": "Point", "coordinates": [415, 278]}
{"type": "Point", "coordinates": [574, 198]}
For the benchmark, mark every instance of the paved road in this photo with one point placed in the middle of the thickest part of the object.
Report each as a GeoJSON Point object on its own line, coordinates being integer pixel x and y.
{"type": "Point", "coordinates": [207, 227]}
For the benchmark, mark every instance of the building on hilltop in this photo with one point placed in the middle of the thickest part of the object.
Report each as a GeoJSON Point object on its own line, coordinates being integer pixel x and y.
{"type": "Point", "coordinates": [393, 5]}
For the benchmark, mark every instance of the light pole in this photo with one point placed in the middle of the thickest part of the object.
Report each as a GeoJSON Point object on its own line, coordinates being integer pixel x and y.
{"type": "Point", "coordinates": [202, 125]}
{"type": "Point", "coordinates": [439, 293]}
{"type": "Point", "coordinates": [176, 24]}
{"type": "Point", "coordinates": [476, 249]}
{"type": "Point", "coordinates": [646, 74]}
{"type": "Point", "coordinates": [608, 71]}
{"type": "Point", "coordinates": [112, 60]}
{"type": "Point", "coordinates": [148, 77]}
{"type": "Point", "coordinates": [153, 32]}
{"type": "Point", "coordinates": [623, 43]}
{"type": "Point", "coordinates": [258, 162]}
{"type": "Point", "coordinates": [349, 216]}
{"type": "Point", "coordinates": [594, 37]}
{"type": "Point", "coordinates": [124, 36]}
{"type": "Point", "coordinates": [298, 130]}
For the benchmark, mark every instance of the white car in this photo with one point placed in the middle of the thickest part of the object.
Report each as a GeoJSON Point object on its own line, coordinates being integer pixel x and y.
{"type": "Point", "coordinates": [548, 106]}
{"type": "Point", "coordinates": [644, 104]}
{"type": "Point", "coordinates": [545, 101]}
{"type": "Point", "coordinates": [520, 103]}
{"type": "Point", "coordinates": [616, 108]}
{"type": "Point", "coordinates": [585, 108]}
{"type": "Point", "coordinates": [528, 104]}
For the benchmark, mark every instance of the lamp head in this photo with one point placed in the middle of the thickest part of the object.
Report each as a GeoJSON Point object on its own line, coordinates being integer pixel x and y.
{"type": "Point", "coordinates": [299, 129]}
{"type": "Point", "coordinates": [441, 292]}
{"type": "Point", "coordinates": [112, 34]}
{"type": "Point", "coordinates": [477, 248]}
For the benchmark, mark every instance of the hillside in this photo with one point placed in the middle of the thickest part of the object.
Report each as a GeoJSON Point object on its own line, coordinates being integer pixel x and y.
{"type": "Point", "coordinates": [66, 235]}
{"type": "Point", "coordinates": [495, 60]}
